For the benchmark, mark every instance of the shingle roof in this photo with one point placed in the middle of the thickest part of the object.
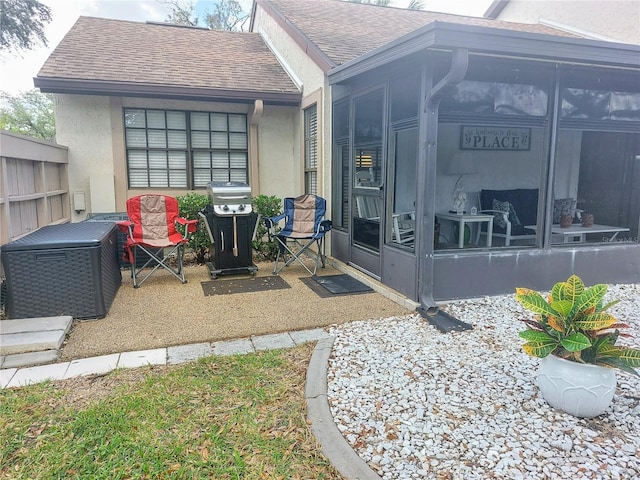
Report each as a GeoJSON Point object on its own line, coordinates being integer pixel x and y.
{"type": "Point", "coordinates": [344, 30]}
{"type": "Point", "coordinates": [124, 52]}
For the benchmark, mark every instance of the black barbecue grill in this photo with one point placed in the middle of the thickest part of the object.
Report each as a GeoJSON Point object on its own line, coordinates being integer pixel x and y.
{"type": "Point", "coordinates": [231, 224]}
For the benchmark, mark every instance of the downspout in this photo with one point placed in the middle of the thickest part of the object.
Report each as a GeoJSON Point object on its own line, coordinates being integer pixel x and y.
{"type": "Point", "coordinates": [254, 155]}
{"type": "Point", "coordinates": [426, 188]}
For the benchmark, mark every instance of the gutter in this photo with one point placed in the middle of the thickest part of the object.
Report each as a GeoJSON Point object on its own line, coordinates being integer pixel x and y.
{"type": "Point", "coordinates": [254, 153]}
{"type": "Point", "coordinates": [121, 89]}
{"type": "Point", "coordinates": [495, 9]}
{"type": "Point", "coordinates": [426, 185]}
{"type": "Point", "coordinates": [493, 41]}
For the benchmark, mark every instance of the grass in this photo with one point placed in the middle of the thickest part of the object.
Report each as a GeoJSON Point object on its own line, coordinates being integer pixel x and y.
{"type": "Point", "coordinates": [239, 417]}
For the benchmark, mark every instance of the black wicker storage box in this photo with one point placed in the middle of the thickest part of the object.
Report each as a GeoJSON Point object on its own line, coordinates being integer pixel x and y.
{"type": "Point", "coordinates": [70, 269]}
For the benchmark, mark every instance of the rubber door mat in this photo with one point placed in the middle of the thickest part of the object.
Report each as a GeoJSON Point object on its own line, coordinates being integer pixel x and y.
{"type": "Point", "coordinates": [329, 285]}
{"type": "Point", "coordinates": [243, 285]}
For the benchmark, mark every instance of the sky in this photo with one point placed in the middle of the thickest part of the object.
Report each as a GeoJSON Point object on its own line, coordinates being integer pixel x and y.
{"type": "Point", "coordinates": [18, 69]}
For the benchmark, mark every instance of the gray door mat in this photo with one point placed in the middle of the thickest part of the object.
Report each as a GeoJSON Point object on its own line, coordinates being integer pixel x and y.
{"type": "Point", "coordinates": [243, 285]}
{"type": "Point", "coordinates": [330, 285]}
{"type": "Point", "coordinates": [444, 322]}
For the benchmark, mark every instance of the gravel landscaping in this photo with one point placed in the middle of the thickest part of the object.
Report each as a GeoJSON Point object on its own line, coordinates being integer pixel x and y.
{"type": "Point", "coordinates": [415, 403]}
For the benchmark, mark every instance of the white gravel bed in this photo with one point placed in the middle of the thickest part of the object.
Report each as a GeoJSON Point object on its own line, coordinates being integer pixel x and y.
{"type": "Point", "coordinates": [416, 403]}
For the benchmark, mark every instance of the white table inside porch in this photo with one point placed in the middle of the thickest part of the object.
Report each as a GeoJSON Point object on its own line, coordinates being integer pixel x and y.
{"type": "Point", "coordinates": [463, 219]}
{"type": "Point", "coordinates": [577, 233]}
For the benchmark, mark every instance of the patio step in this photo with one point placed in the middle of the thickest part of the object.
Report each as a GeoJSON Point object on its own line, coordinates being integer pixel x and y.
{"type": "Point", "coordinates": [32, 341]}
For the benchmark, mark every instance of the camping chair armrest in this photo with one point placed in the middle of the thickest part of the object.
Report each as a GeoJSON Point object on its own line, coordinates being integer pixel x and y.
{"type": "Point", "coordinates": [271, 222]}
{"type": "Point", "coordinates": [326, 225]}
{"type": "Point", "coordinates": [190, 225]}
{"type": "Point", "coordinates": [323, 226]}
{"type": "Point", "coordinates": [126, 226]}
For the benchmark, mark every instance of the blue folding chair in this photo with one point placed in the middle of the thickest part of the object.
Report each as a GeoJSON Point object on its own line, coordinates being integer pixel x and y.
{"type": "Point", "coordinates": [304, 226]}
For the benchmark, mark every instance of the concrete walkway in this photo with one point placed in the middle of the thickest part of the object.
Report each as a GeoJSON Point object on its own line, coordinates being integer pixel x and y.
{"type": "Point", "coordinates": [17, 377]}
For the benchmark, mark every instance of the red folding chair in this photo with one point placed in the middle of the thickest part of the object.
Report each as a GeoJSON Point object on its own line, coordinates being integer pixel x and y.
{"type": "Point", "coordinates": [151, 227]}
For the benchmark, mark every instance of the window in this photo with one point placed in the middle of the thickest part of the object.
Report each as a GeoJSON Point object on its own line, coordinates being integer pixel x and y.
{"type": "Point", "coordinates": [177, 149]}
{"type": "Point", "coordinates": [311, 150]}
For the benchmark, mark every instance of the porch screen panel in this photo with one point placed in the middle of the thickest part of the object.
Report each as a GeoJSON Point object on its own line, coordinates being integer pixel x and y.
{"type": "Point", "coordinates": [597, 177]}
{"type": "Point", "coordinates": [492, 151]}
{"type": "Point", "coordinates": [164, 146]}
{"type": "Point", "coordinates": [340, 161]}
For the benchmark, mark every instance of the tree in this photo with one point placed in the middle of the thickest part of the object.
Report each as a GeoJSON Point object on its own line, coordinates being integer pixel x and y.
{"type": "Point", "coordinates": [22, 24]}
{"type": "Point", "coordinates": [227, 15]}
{"type": "Point", "coordinates": [29, 113]}
{"type": "Point", "coordinates": [182, 13]}
{"type": "Point", "coordinates": [416, 5]}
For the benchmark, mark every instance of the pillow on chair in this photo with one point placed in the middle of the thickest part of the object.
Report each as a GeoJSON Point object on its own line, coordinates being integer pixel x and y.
{"type": "Point", "coordinates": [563, 206]}
{"type": "Point", "coordinates": [508, 208]}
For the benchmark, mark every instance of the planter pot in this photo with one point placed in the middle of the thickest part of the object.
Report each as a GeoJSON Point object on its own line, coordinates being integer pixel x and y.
{"type": "Point", "coordinates": [565, 221]}
{"type": "Point", "coordinates": [579, 389]}
{"type": "Point", "coordinates": [587, 219]}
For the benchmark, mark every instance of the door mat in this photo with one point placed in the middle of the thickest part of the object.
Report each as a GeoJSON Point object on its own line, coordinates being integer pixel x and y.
{"type": "Point", "coordinates": [444, 322]}
{"type": "Point", "coordinates": [243, 285]}
{"type": "Point", "coordinates": [330, 285]}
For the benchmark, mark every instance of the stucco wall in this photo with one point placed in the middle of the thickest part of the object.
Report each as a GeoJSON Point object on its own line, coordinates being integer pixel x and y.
{"type": "Point", "coordinates": [279, 152]}
{"type": "Point", "coordinates": [311, 76]}
{"type": "Point", "coordinates": [613, 19]}
{"type": "Point", "coordinates": [313, 83]}
{"type": "Point", "coordinates": [83, 124]}
{"type": "Point", "coordinates": [93, 129]}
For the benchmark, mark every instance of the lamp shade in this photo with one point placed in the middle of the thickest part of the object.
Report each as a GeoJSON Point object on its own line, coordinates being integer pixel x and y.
{"type": "Point", "coordinates": [462, 164]}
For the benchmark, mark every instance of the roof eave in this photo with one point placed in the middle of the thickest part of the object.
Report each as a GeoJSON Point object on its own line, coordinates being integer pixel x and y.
{"type": "Point", "coordinates": [320, 58]}
{"type": "Point", "coordinates": [122, 89]}
{"type": "Point", "coordinates": [444, 35]}
{"type": "Point", "coordinates": [495, 8]}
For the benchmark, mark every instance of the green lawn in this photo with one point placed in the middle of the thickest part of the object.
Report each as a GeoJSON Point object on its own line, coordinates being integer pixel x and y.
{"type": "Point", "coordinates": [239, 417]}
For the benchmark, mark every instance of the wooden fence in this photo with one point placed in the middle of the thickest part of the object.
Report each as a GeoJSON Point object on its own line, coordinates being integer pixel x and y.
{"type": "Point", "coordinates": [34, 185]}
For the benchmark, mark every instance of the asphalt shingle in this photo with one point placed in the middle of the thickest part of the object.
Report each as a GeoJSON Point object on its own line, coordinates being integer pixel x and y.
{"type": "Point", "coordinates": [345, 30]}
{"type": "Point", "coordinates": [104, 50]}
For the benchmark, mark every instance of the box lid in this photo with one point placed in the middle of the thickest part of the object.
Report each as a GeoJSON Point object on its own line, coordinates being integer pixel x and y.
{"type": "Point", "coordinates": [67, 235]}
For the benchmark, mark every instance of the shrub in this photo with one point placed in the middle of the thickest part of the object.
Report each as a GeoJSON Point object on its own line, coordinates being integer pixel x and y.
{"type": "Point", "coordinates": [265, 206]}
{"type": "Point", "coordinates": [190, 204]}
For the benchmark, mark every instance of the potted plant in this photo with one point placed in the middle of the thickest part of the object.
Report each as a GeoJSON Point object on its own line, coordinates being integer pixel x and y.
{"type": "Point", "coordinates": [576, 338]}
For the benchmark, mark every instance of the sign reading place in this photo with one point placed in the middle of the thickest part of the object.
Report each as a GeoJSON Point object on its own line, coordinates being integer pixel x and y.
{"type": "Point", "coordinates": [495, 138]}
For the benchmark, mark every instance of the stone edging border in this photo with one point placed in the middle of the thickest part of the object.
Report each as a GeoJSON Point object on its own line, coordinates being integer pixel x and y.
{"type": "Point", "coordinates": [333, 444]}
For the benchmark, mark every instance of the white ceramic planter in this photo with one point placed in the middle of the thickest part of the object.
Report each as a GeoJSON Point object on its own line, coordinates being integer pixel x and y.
{"type": "Point", "coordinates": [579, 389]}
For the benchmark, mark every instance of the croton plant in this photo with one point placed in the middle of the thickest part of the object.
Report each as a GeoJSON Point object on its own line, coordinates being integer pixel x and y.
{"type": "Point", "coordinates": [572, 323]}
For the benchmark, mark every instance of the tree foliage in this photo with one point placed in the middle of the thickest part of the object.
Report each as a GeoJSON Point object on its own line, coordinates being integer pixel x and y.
{"type": "Point", "coordinates": [182, 13]}
{"type": "Point", "coordinates": [22, 24]}
{"type": "Point", "coordinates": [28, 113]}
{"type": "Point", "coordinates": [226, 15]}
